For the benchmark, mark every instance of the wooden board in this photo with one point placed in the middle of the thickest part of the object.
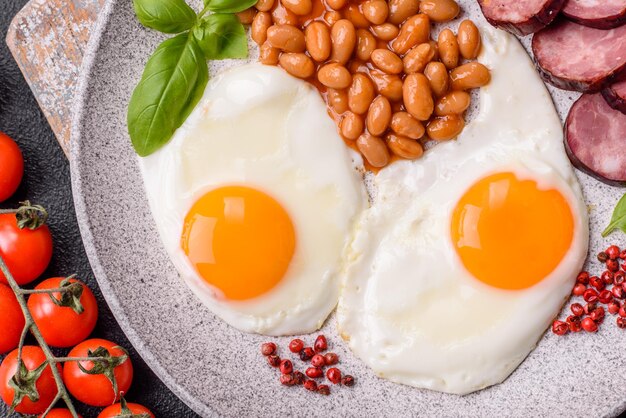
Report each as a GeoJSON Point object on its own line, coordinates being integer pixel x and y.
{"type": "Point", "coordinates": [47, 39]}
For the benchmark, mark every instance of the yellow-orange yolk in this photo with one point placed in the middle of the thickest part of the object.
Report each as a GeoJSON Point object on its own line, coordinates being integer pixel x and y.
{"type": "Point", "coordinates": [239, 240]}
{"type": "Point", "coordinates": [509, 233]}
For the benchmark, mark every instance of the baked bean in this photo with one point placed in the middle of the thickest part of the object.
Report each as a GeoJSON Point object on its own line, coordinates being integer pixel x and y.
{"type": "Point", "coordinates": [335, 76]}
{"type": "Point", "coordinates": [437, 75]}
{"type": "Point", "coordinates": [357, 66]}
{"type": "Point", "coordinates": [448, 49]}
{"type": "Point", "coordinates": [387, 61]}
{"type": "Point", "coordinates": [469, 76]}
{"type": "Point", "coordinates": [440, 10]}
{"type": "Point", "coordinates": [264, 5]}
{"type": "Point", "coordinates": [400, 10]}
{"type": "Point", "coordinates": [336, 4]}
{"type": "Point", "coordinates": [435, 47]}
{"type": "Point", "coordinates": [317, 40]}
{"type": "Point", "coordinates": [385, 32]}
{"type": "Point", "coordinates": [414, 31]}
{"type": "Point", "coordinates": [388, 85]}
{"type": "Point", "coordinates": [361, 93]}
{"type": "Point", "coordinates": [378, 116]}
{"type": "Point", "coordinates": [261, 23]}
{"type": "Point", "coordinates": [373, 149]}
{"type": "Point", "coordinates": [286, 38]}
{"type": "Point", "coordinates": [416, 59]}
{"type": "Point", "coordinates": [404, 147]}
{"type": "Point", "coordinates": [247, 16]}
{"type": "Point", "coordinates": [468, 38]}
{"type": "Point", "coordinates": [297, 64]}
{"type": "Point", "coordinates": [354, 15]}
{"type": "Point", "coordinates": [332, 17]}
{"type": "Point", "coordinates": [343, 36]}
{"type": "Point", "coordinates": [338, 100]}
{"type": "Point", "coordinates": [365, 44]}
{"type": "Point", "coordinates": [284, 16]}
{"type": "Point", "coordinates": [443, 128]}
{"type": "Point", "coordinates": [404, 124]}
{"type": "Point", "coordinates": [268, 55]}
{"type": "Point", "coordinates": [351, 125]}
{"type": "Point", "coordinates": [418, 98]}
{"type": "Point", "coordinates": [299, 7]}
{"type": "Point", "coordinates": [376, 11]}
{"type": "Point", "coordinates": [453, 103]}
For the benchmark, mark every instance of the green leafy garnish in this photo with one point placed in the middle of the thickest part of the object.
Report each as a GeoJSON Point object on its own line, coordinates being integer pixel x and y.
{"type": "Point", "coordinates": [176, 74]}
{"type": "Point", "coordinates": [618, 220]}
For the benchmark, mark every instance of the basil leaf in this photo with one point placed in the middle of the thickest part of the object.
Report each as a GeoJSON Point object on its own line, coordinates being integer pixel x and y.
{"type": "Point", "coordinates": [171, 85]}
{"type": "Point", "coordinates": [228, 6]}
{"type": "Point", "coordinates": [222, 36]}
{"type": "Point", "coordinates": [618, 221]}
{"type": "Point", "coordinates": [168, 16]}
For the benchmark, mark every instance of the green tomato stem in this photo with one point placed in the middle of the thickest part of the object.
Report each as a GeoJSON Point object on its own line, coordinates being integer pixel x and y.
{"type": "Point", "coordinates": [38, 291]}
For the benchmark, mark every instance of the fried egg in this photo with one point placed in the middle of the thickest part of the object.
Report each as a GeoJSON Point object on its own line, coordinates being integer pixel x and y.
{"type": "Point", "coordinates": [467, 255]}
{"type": "Point", "coordinates": [255, 198]}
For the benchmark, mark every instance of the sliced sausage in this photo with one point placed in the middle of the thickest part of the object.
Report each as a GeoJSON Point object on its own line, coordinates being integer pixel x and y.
{"type": "Point", "coordinates": [605, 14]}
{"type": "Point", "coordinates": [521, 17]}
{"type": "Point", "coordinates": [615, 96]}
{"type": "Point", "coordinates": [595, 139]}
{"type": "Point", "coordinates": [575, 57]}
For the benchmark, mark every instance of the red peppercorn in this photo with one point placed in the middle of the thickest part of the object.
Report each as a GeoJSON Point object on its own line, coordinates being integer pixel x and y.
{"type": "Point", "coordinates": [613, 307]}
{"type": "Point", "coordinates": [607, 277]}
{"type": "Point", "coordinates": [622, 311]}
{"type": "Point", "coordinates": [597, 315]}
{"type": "Point", "coordinates": [624, 286]}
{"type": "Point", "coordinates": [612, 265]}
{"type": "Point", "coordinates": [286, 367]}
{"type": "Point", "coordinates": [310, 385]}
{"type": "Point", "coordinates": [577, 309]}
{"type": "Point", "coordinates": [589, 307]}
{"type": "Point", "coordinates": [612, 252]}
{"type": "Point", "coordinates": [268, 348]}
{"type": "Point", "coordinates": [314, 372]}
{"type": "Point", "coordinates": [605, 296]}
{"type": "Point", "coordinates": [334, 375]}
{"type": "Point", "coordinates": [560, 327]}
{"type": "Point", "coordinates": [590, 296]}
{"type": "Point", "coordinates": [320, 343]}
{"type": "Point", "coordinates": [597, 282]}
{"type": "Point", "coordinates": [589, 325]}
{"type": "Point", "coordinates": [298, 378]}
{"type": "Point", "coordinates": [347, 380]}
{"type": "Point", "coordinates": [318, 360]}
{"type": "Point", "coordinates": [622, 255]}
{"type": "Point", "coordinates": [574, 323]}
{"type": "Point", "coordinates": [583, 277]}
{"type": "Point", "coordinates": [579, 289]}
{"type": "Point", "coordinates": [623, 267]}
{"type": "Point", "coordinates": [273, 360]}
{"type": "Point", "coordinates": [621, 322]}
{"type": "Point", "coordinates": [323, 390]}
{"type": "Point", "coordinates": [618, 278]}
{"type": "Point", "coordinates": [295, 346]}
{"type": "Point", "coordinates": [306, 354]}
{"type": "Point", "coordinates": [602, 257]}
{"type": "Point", "coordinates": [618, 292]}
{"type": "Point", "coordinates": [331, 358]}
{"type": "Point", "coordinates": [287, 379]}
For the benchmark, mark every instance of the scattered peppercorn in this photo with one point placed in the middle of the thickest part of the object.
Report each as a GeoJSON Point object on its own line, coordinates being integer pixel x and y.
{"type": "Point", "coordinates": [613, 307]}
{"type": "Point", "coordinates": [603, 257]}
{"type": "Point", "coordinates": [590, 296]}
{"type": "Point", "coordinates": [306, 354]}
{"type": "Point", "coordinates": [583, 277]}
{"type": "Point", "coordinates": [560, 327]}
{"type": "Point", "coordinates": [589, 325]}
{"type": "Point", "coordinates": [295, 346]}
{"type": "Point", "coordinates": [621, 322]}
{"type": "Point", "coordinates": [612, 252]}
{"type": "Point", "coordinates": [273, 360]}
{"type": "Point", "coordinates": [318, 360]}
{"type": "Point", "coordinates": [347, 380]}
{"type": "Point", "coordinates": [286, 379]}
{"type": "Point", "coordinates": [298, 378]}
{"type": "Point", "coordinates": [612, 265]}
{"type": "Point", "coordinates": [310, 385]}
{"type": "Point", "coordinates": [331, 358]}
{"type": "Point", "coordinates": [579, 289]}
{"type": "Point", "coordinates": [323, 390]}
{"type": "Point", "coordinates": [597, 282]}
{"type": "Point", "coordinates": [320, 343]}
{"type": "Point", "coordinates": [314, 372]}
{"type": "Point", "coordinates": [286, 367]}
{"type": "Point", "coordinates": [268, 348]}
{"type": "Point", "coordinates": [334, 375]}
{"type": "Point", "coordinates": [577, 309]}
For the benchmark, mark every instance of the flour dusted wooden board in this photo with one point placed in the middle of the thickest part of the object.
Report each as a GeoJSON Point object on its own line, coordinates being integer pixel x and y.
{"type": "Point", "coordinates": [47, 39]}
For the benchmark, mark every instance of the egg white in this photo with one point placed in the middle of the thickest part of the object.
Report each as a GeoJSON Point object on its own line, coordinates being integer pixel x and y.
{"type": "Point", "coordinates": [408, 308]}
{"type": "Point", "coordinates": [259, 127]}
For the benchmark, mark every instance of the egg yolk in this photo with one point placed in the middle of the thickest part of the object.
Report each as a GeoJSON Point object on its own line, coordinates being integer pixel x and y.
{"type": "Point", "coordinates": [239, 240]}
{"type": "Point", "coordinates": [509, 233]}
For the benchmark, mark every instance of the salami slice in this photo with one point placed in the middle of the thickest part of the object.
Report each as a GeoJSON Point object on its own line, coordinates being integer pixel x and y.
{"type": "Point", "coordinates": [521, 17]}
{"type": "Point", "coordinates": [601, 14]}
{"type": "Point", "coordinates": [615, 96]}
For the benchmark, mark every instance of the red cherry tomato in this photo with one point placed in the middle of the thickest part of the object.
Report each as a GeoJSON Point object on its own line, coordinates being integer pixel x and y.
{"type": "Point", "coordinates": [60, 413]}
{"type": "Point", "coordinates": [114, 411]}
{"type": "Point", "coordinates": [33, 357]}
{"type": "Point", "coordinates": [61, 326]}
{"type": "Point", "coordinates": [11, 167]}
{"type": "Point", "coordinates": [26, 252]}
{"type": "Point", "coordinates": [11, 320]}
{"type": "Point", "coordinates": [96, 389]}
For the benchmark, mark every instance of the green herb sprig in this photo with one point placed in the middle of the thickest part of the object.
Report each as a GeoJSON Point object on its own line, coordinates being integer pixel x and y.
{"type": "Point", "coordinates": [176, 74]}
{"type": "Point", "coordinates": [618, 220]}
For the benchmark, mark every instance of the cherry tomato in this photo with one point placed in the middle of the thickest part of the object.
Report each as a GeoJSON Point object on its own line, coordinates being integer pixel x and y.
{"type": "Point", "coordinates": [26, 252]}
{"type": "Point", "coordinates": [11, 320]}
{"type": "Point", "coordinates": [61, 326]}
{"type": "Point", "coordinates": [11, 167]}
{"type": "Point", "coordinates": [33, 357]}
{"type": "Point", "coordinates": [60, 413]}
{"type": "Point", "coordinates": [114, 411]}
{"type": "Point", "coordinates": [96, 389]}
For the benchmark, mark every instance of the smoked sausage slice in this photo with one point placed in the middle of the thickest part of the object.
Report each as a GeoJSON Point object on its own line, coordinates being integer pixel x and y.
{"type": "Point", "coordinates": [521, 17]}
{"type": "Point", "coordinates": [615, 96]}
{"type": "Point", "coordinates": [604, 14]}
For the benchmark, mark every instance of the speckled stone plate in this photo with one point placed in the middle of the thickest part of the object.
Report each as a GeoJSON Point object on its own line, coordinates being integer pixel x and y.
{"type": "Point", "coordinates": [216, 369]}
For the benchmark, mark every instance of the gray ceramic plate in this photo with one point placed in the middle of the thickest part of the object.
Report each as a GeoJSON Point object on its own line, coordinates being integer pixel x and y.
{"type": "Point", "coordinates": [217, 370]}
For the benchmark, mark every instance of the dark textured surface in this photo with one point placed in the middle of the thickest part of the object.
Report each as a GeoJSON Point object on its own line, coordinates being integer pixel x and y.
{"type": "Point", "coordinates": [47, 182]}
